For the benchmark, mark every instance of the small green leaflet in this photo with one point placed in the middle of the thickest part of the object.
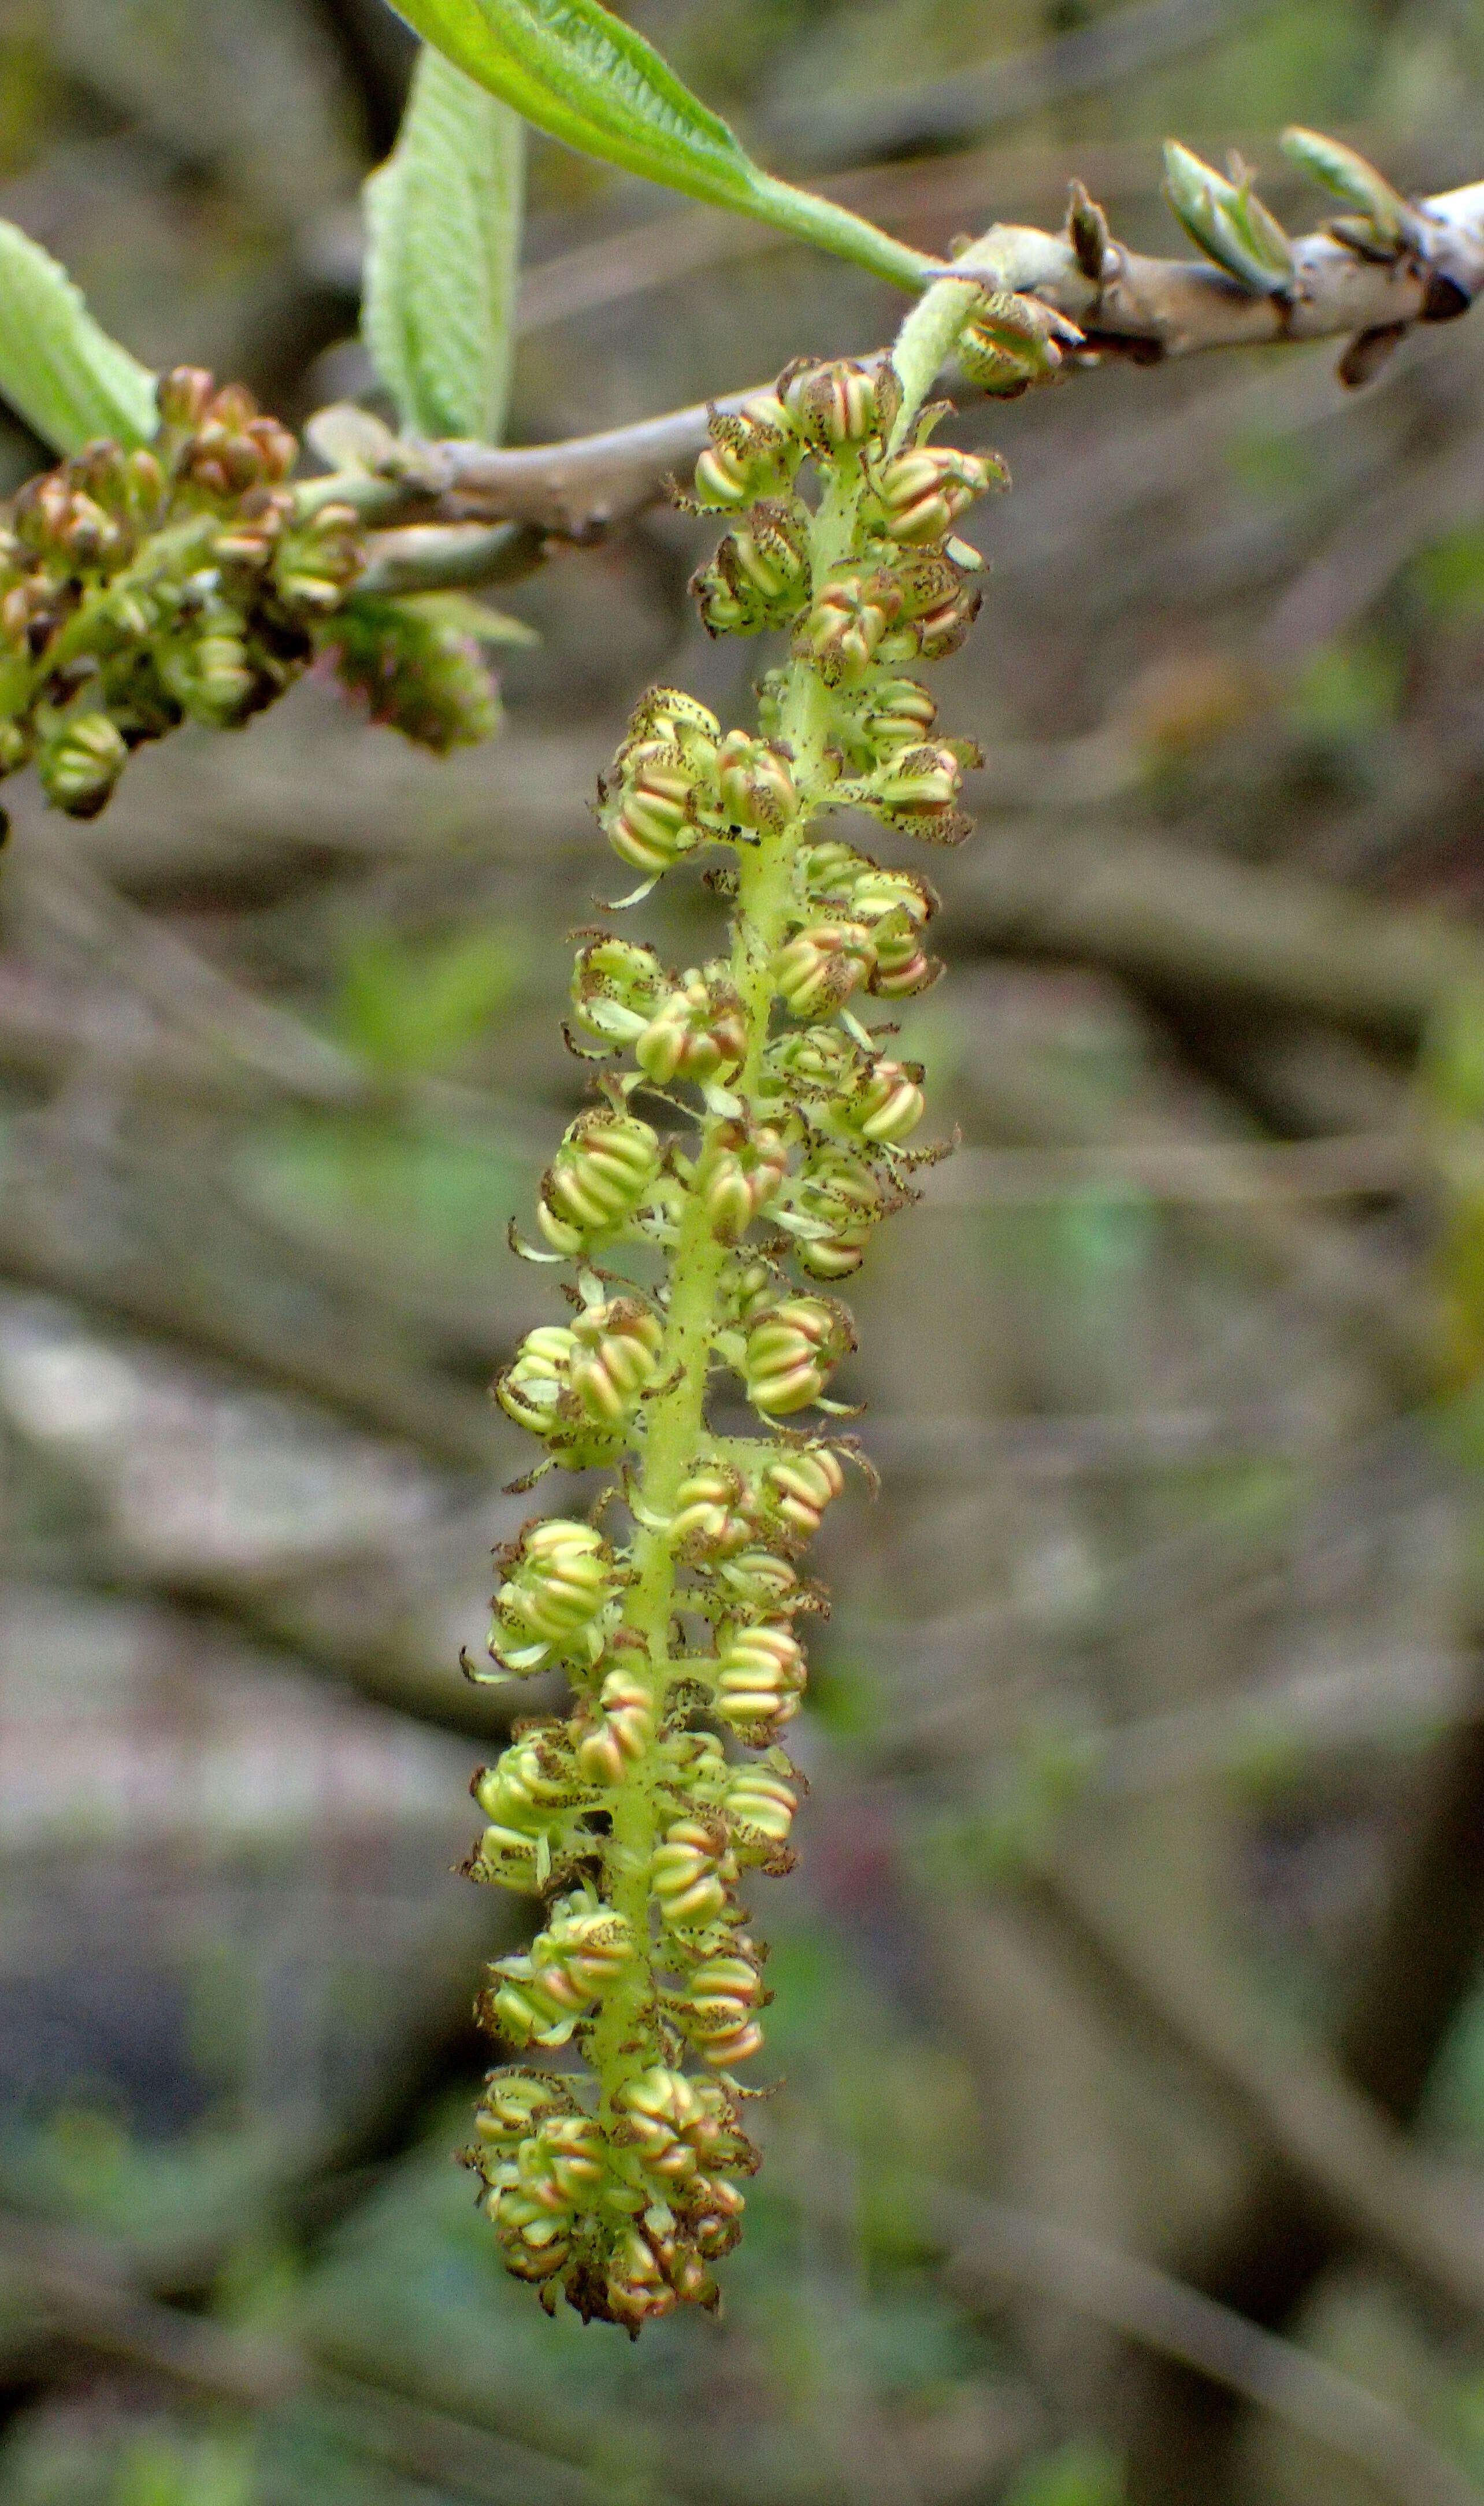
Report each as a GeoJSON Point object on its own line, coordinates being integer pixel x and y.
{"type": "Point", "coordinates": [58, 371]}
{"type": "Point", "coordinates": [443, 227]}
{"type": "Point", "coordinates": [580, 74]}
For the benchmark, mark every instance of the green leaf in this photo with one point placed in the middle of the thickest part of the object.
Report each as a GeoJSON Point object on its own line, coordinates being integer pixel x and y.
{"type": "Point", "coordinates": [1228, 220]}
{"type": "Point", "coordinates": [443, 223]}
{"type": "Point", "coordinates": [58, 371]}
{"type": "Point", "coordinates": [581, 75]}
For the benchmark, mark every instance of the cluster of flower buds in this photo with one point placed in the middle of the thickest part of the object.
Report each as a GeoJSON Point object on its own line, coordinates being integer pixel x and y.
{"type": "Point", "coordinates": [189, 581]}
{"type": "Point", "coordinates": [664, 1785]}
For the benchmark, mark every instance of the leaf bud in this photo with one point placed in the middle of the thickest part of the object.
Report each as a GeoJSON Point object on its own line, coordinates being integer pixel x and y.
{"type": "Point", "coordinates": [80, 761]}
{"type": "Point", "coordinates": [792, 1351]}
{"type": "Point", "coordinates": [604, 1165]}
{"type": "Point", "coordinates": [743, 1176]}
{"type": "Point", "coordinates": [698, 1033]}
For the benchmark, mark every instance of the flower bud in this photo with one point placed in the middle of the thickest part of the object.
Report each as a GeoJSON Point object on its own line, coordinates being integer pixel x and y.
{"type": "Point", "coordinates": [760, 1676]}
{"type": "Point", "coordinates": [698, 1033]}
{"type": "Point", "coordinates": [713, 1517]}
{"type": "Point", "coordinates": [754, 784]}
{"type": "Point", "coordinates": [686, 1875]}
{"type": "Point", "coordinates": [800, 1486]}
{"type": "Point", "coordinates": [606, 1164]}
{"type": "Point", "coordinates": [758, 577]}
{"type": "Point", "coordinates": [80, 761]}
{"type": "Point", "coordinates": [820, 966]}
{"type": "Point", "coordinates": [924, 490]}
{"type": "Point", "coordinates": [833, 406]}
{"type": "Point", "coordinates": [615, 1359]}
{"type": "Point", "coordinates": [715, 2011]}
{"type": "Point", "coordinates": [888, 1108]}
{"type": "Point", "coordinates": [512, 2108]}
{"type": "Point", "coordinates": [760, 1803]}
{"type": "Point", "coordinates": [623, 1731]}
{"type": "Point", "coordinates": [754, 450]}
{"type": "Point", "coordinates": [183, 397]}
{"type": "Point", "coordinates": [558, 1581]}
{"type": "Point", "coordinates": [840, 1202]}
{"type": "Point", "coordinates": [758, 1580]}
{"type": "Point", "coordinates": [791, 1351]}
{"type": "Point", "coordinates": [924, 782]}
{"type": "Point", "coordinates": [616, 984]}
{"type": "Point", "coordinates": [531, 1388]}
{"type": "Point", "coordinates": [848, 622]}
{"type": "Point", "coordinates": [675, 719]}
{"type": "Point", "coordinates": [650, 819]}
{"type": "Point", "coordinates": [743, 1176]}
{"type": "Point", "coordinates": [530, 1783]}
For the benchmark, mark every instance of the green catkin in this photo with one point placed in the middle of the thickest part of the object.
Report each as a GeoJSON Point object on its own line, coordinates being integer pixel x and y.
{"type": "Point", "coordinates": [635, 1816]}
{"type": "Point", "coordinates": [186, 581]}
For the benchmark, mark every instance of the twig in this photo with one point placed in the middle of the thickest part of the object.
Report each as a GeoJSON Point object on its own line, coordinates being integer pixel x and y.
{"type": "Point", "coordinates": [992, 2244]}
{"type": "Point", "coordinates": [1151, 307]}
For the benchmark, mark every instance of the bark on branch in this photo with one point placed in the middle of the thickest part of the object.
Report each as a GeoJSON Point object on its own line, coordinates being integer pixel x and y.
{"type": "Point", "coordinates": [1137, 307]}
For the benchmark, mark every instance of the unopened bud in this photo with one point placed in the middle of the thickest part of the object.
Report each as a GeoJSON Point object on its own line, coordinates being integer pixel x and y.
{"type": "Point", "coordinates": [833, 406]}
{"type": "Point", "coordinates": [791, 1351]}
{"type": "Point", "coordinates": [80, 762]}
{"type": "Point", "coordinates": [820, 967]}
{"type": "Point", "coordinates": [685, 1874]}
{"type": "Point", "coordinates": [557, 1582]}
{"type": "Point", "coordinates": [849, 620]}
{"type": "Point", "coordinates": [924, 489]}
{"type": "Point", "coordinates": [698, 1033]}
{"type": "Point", "coordinates": [744, 1173]}
{"type": "Point", "coordinates": [801, 1485]}
{"type": "Point", "coordinates": [615, 1359]}
{"type": "Point", "coordinates": [760, 1676]}
{"type": "Point", "coordinates": [890, 1104]}
{"type": "Point", "coordinates": [753, 452]}
{"type": "Point", "coordinates": [616, 984]}
{"type": "Point", "coordinates": [599, 1176]}
{"type": "Point", "coordinates": [754, 784]}
{"type": "Point", "coordinates": [623, 1731]}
